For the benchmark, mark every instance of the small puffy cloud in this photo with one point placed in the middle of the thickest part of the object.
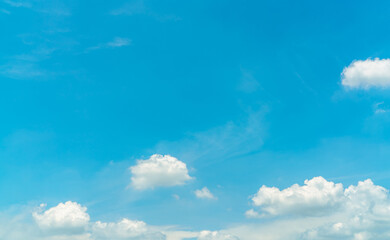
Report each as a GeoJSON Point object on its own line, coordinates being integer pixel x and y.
{"type": "Point", "coordinates": [204, 193]}
{"type": "Point", "coordinates": [159, 171]}
{"type": "Point", "coordinates": [315, 197]}
{"type": "Point", "coordinates": [367, 74]}
{"type": "Point", "coordinates": [215, 235]}
{"type": "Point", "coordinates": [251, 213]}
{"type": "Point", "coordinates": [124, 229]}
{"type": "Point", "coordinates": [65, 217]}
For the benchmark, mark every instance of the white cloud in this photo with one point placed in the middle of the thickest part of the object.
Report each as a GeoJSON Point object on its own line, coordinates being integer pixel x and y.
{"type": "Point", "coordinates": [22, 70]}
{"type": "Point", "coordinates": [124, 229]}
{"type": "Point", "coordinates": [119, 42]}
{"type": "Point", "coordinates": [159, 171]}
{"type": "Point", "coordinates": [65, 217]}
{"type": "Point", "coordinates": [204, 193]}
{"type": "Point", "coordinates": [362, 212]}
{"type": "Point", "coordinates": [70, 221]}
{"type": "Point", "coordinates": [215, 235]}
{"type": "Point", "coordinates": [316, 197]}
{"type": "Point", "coordinates": [251, 213]}
{"type": "Point", "coordinates": [55, 8]}
{"type": "Point", "coordinates": [18, 3]}
{"type": "Point", "coordinates": [367, 74]}
{"type": "Point", "coordinates": [366, 215]}
{"type": "Point", "coordinates": [379, 108]}
{"type": "Point", "coordinates": [359, 212]}
{"type": "Point", "coordinates": [138, 7]}
{"type": "Point", "coordinates": [181, 235]}
{"type": "Point", "coordinates": [134, 7]}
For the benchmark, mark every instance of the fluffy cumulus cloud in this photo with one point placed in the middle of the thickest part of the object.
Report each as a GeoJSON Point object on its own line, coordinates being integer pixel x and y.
{"type": "Point", "coordinates": [215, 235]}
{"type": "Point", "coordinates": [159, 171]}
{"type": "Point", "coordinates": [68, 217]}
{"type": "Point", "coordinates": [317, 210]}
{"type": "Point", "coordinates": [315, 197]}
{"type": "Point", "coordinates": [366, 215]}
{"type": "Point", "coordinates": [326, 210]}
{"type": "Point", "coordinates": [367, 74]}
{"type": "Point", "coordinates": [204, 193]}
{"type": "Point", "coordinates": [70, 220]}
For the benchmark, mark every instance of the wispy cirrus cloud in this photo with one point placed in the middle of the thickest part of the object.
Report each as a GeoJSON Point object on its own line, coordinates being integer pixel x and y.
{"type": "Point", "coordinates": [139, 8]}
{"type": "Point", "coordinates": [117, 42]}
{"type": "Point", "coordinates": [5, 11]}
{"type": "Point", "coordinates": [230, 140]}
{"type": "Point", "coordinates": [22, 70]}
{"type": "Point", "coordinates": [29, 65]}
{"type": "Point", "coordinates": [53, 8]}
{"type": "Point", "coordinates": [18, 4]}
{"type": "Point", "coordinates": [41, 54]}
{"type": "Point", "coordinates": [130, 8]}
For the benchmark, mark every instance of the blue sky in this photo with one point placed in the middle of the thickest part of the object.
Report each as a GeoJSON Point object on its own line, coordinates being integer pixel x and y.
{"type": "Point", "coordinates": [244, 94]}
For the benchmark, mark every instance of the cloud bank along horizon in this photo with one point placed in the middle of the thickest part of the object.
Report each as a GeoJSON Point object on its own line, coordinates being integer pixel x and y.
{"type": "Point", "coordinates": [324, 209]}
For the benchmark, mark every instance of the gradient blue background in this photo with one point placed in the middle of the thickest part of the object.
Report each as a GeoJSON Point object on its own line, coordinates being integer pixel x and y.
{"type": "Point", "coordinates": [261, 79]}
